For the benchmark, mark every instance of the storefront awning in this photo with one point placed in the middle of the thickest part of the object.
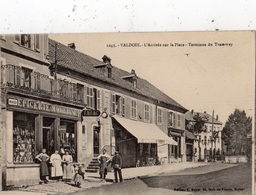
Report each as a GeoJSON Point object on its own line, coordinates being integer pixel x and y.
{"type": "Point", "coordinates": [190, 135]}
{"type": "Point", "coordinates": [145, 132]}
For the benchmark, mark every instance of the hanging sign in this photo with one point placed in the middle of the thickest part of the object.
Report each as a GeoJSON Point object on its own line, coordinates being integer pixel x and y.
{"type": "Point", "coordinates": [90, 113]}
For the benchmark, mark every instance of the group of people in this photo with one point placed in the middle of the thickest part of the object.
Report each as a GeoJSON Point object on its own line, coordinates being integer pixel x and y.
{"type": "Point", "coordinates": [116, 163]}
{"type": "Point", "coordinates": [61, 167]}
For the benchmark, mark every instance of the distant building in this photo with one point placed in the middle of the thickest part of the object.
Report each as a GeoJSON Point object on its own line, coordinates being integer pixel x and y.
{"type": "Point", "coordinates": [208, 143]}
{"type": "Point", "coordinates": [54, 96]}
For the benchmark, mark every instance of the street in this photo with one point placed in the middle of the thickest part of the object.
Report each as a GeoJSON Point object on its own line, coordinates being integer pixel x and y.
{"type": "Point", "coordinates": [216, 178]}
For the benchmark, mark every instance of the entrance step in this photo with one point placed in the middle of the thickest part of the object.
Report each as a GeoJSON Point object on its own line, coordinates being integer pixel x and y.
{"type": "Point", "coordinates": [93, 166]}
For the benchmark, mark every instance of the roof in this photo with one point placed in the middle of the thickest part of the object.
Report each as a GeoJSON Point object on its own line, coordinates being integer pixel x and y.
{"type": "Point", "coordinates": [145, 132]}
{"type": "Point", "coordinates": [189, 116]}
{"type": "Point", "coordinates": [74, 60]}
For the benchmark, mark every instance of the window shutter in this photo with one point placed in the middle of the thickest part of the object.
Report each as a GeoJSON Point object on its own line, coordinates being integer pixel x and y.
{"type": "Point", "coordinates": [123, 105]}
{"type": "Point", "coordinates": [174, 119]}
{"type": "Point", "coordinates": [98, 100]}
{"type": "Point", "coordinates": [113, 103]}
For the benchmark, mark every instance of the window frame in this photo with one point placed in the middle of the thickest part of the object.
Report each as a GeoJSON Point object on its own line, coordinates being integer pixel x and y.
{"type": "Point", "coordinates": [159, 116]}
{"type": "Point", "coordinates": [146, 112]}
{"type": "Point", "coordinates": [134, 112]}
{"type": "Point", "coordinates": [178, 120]}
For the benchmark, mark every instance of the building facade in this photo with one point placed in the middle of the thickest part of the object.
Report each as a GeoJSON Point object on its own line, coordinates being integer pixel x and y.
{"type": "Point", "coordinates": [56, 97]}
{"type": "Point", "coordinates": [208, 143]}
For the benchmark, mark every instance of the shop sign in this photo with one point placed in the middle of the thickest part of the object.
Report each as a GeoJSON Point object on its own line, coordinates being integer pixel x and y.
{"type": "Point", "coordinates": [12, 102]}
{"type": "Point", "coordinates": [90, 113]}
{"type": "Point", "coordinates": [42, 106]}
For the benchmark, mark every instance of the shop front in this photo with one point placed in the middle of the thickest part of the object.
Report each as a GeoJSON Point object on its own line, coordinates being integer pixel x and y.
{"type": "Point", "coordinates": [176, 152]}
{"type": "Point", "coordinates": [190, 151]}
{"type": "Point", "coordinates": [32, 125]}
{"type": "Point", "coordinates": [138, 142]}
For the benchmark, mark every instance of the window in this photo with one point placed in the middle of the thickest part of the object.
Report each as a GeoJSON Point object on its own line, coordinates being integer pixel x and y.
{"type": "Point", "coordinates": [170, 118]}
{"type": "Point", "coordinates": [118, 104]}
{"type": "Point", "coordinates": [26, 74]}
{"type": "Point", "coordinates": [133, 108]}
{"type": "Point", "coordinates": [23, 137]}
{"type": "Point", "coordinates": [178, 120]}
{"type": "Point", "coordinates": [25, 40]}
{"type": "Point", "coordinates": [93, 98]}
{"type": "Point", "coordinates": [89, 97]}
{"type": "Point", "coordinates": [80, 93]}
{"type": "Point", "coordinates": [109, 72]}
{"type": "Point", "coordinates": [146, 109]}
{"type": "Point", "coordinates": [28, 41]}
{"type": "Point", "coordinates": [159, 116]}
{"type": "Point", "coordinates": [135, 83]}
{"type": "Point", "coordinates": [74, 91]}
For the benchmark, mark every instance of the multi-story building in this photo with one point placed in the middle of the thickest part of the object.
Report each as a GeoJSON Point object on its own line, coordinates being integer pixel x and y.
{"type": "Point", "coordinates": [55, 96]}
{"type": "Point", "coordinates": [208, 143]}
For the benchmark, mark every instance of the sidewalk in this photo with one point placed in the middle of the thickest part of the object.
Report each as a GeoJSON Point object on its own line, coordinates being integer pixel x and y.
{"type": "Point", "coordinates": [92, 179]}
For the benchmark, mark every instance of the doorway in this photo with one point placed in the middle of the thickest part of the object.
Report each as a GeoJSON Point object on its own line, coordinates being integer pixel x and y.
{"type": "Point", "coordinates": [48, 135]}
{"type": "Point", "coordinates": [96, 141]}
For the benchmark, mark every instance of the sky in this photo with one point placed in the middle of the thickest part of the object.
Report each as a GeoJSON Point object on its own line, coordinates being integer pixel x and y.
{"type": "Point", "coordinates": [193, 68]}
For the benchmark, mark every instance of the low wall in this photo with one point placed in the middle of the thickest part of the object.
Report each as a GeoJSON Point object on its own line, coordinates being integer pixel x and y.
{"type": "Point", "coordinates": [236, 159]}
{"type": "Point", "coordinates": [18, 175]}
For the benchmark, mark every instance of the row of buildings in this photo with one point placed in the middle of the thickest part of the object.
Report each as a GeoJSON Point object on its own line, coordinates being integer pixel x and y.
{"type": "Point", "coordinates": [54, 96]}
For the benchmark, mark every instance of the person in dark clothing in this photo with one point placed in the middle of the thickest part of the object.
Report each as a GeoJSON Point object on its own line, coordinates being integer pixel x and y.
{"type": "Point", "coordinates": [117, 166]}
{"type": "Point", "coordinates": [43, 158]}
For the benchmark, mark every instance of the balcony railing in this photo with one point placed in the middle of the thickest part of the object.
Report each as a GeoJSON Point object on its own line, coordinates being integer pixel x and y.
{"type": "Point", "coordinates": [16, 77]}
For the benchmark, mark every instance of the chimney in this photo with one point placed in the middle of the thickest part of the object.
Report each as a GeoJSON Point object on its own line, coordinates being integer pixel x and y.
{"type": "Point", "coordinates": [204, 112]}
{"type": "Point", "coordinates": [72, 45]}
{"type": "Point", "coordinates": [217, 117]}
{"type": "Point", "coordinates": [106, 59]}
{"type": "Point", "coordinates": [192, 111]}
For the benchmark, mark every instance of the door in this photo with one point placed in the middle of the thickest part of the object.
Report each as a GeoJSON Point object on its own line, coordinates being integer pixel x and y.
{"type": "Point", "coordinates": [48, 135]}
{"type": "Point", "coordinates": [96, 141]}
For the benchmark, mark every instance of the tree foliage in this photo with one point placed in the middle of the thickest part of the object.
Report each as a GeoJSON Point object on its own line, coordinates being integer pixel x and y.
{"type": "Point", "coordinates": [235, 131]}
{"type": "Point", "coordinates": [198, 125]}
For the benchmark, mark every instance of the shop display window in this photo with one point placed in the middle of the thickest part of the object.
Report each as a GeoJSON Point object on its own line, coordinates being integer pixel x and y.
{"type": "Point", "coordinates": [23, 137]}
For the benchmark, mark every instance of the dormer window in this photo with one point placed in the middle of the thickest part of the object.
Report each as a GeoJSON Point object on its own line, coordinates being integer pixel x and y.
{"type": "Point", "coordinates": [135, 83]}
{"type": "Point", "coordinates": [109, 72]}
{"type": "Point", "coordinates": [105, 67]}
{"type": "Point", "coordinates": [132, 78]}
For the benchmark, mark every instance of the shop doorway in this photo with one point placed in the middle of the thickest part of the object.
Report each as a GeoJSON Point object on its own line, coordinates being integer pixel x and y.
{"type": "Point", "coordinates": [68, 136]}
{"type": "Point", "coordinates": [48, 135]}
{"type": "Point", "coordinates": [96, 141]}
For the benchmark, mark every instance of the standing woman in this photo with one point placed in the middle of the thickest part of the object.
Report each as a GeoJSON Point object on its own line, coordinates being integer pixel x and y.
{"type": "Point", "coordinates": [43, 158]}
{"type": "Point", "coordinates": [67, 168]}
{"type": "Point", "coordinates": [103, 159]}
{"type": "Point", "coordinates": [56, 169]}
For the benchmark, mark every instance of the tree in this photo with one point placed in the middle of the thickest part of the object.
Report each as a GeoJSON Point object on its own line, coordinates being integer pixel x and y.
{"type": "Point", "coordinates": [198, 124]}
{"type": "Point", "coordinates": [235, 131]}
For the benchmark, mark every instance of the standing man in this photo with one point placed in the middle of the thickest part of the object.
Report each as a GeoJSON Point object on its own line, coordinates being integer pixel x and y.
{"type": "Point", "coordinates": [117, 166]}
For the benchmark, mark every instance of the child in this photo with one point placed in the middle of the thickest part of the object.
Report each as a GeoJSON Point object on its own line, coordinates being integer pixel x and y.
{"type": "Point", "coordinates": [79, 176]}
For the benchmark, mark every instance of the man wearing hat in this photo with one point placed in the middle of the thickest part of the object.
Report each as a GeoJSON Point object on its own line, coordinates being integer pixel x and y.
{"type": "Point", "coordinates": [117, 166]}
